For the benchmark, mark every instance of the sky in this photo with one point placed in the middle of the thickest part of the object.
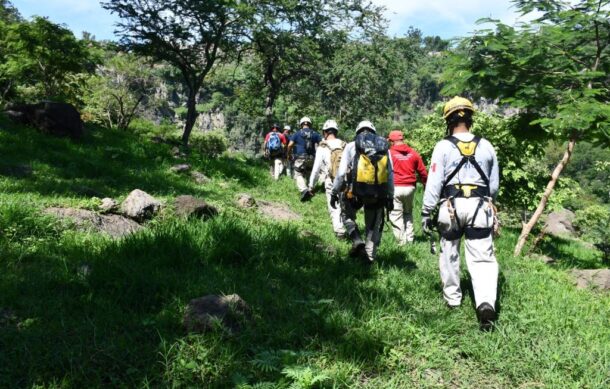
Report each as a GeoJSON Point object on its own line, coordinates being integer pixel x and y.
{"type": "Point", "coordinates": [432, 17]}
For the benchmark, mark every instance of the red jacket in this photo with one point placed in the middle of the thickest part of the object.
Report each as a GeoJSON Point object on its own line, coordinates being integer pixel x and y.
{"type": "Point", "coordinates": [406, 162]}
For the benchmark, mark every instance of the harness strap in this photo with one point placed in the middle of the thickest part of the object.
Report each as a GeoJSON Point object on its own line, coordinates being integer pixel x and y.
{"type": "Point", "coordinates": [467, 158]}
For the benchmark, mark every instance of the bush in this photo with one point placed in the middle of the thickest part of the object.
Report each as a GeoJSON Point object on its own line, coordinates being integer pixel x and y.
{"type": "Point", "coordinates": [211, 144]}
{"type": "Point", "coordinates": [593, 223]}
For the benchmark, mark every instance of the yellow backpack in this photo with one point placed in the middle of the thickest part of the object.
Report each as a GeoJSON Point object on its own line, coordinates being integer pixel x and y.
{"type": "Point", "coordinates": [370, 171]}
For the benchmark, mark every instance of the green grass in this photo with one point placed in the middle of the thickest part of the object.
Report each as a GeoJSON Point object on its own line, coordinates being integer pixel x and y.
{"type": "Point", "coordinates": [320, 320]}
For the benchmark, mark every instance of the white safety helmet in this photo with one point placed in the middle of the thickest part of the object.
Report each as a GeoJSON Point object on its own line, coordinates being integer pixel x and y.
{"type": "Point", "coordinates": [287, 128]}
{"type": "Point", "coordinates": [304, 119]}
{"type": "Point", "coordinates": [330, 125]}
{"type": "Point", "coordinates": [364, 125]}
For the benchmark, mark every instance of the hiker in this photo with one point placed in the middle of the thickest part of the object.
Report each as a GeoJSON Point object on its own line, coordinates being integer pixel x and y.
{"type": "Point", "coordinates": [328, 158]}
{"type": "Point", "coordinates": [275, 142]}
{"type": "Point", "coordinates": [406, 163]}
{"type": "Point", "coordinates": [365, 179]}
{"type": "Point", "coordinates": [304, 142]}
{"type": "Point", "coordinates": [463, 178]}
{"type": "Point", "coordinates": [287, 161]}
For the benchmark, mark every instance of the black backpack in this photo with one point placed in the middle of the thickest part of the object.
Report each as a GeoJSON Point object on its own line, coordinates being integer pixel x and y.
{"type": "Point", "coordinates": [307, 135]}
{"type": "Point", "coordinates": [370, 173]}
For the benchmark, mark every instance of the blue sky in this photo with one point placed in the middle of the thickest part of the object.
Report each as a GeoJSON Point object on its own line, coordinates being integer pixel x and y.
{"type": "Point", "coordinates": [447, 18]}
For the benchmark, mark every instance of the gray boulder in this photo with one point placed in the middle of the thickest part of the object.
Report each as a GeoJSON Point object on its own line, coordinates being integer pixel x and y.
{"type": "Point", "coordinates": [181, 168]}
{"type": "Point", "coordinates": [200, 178]}
{"type": "Point", "coordinates": [114, 225]}
{"type": "Point", "coordinates": [246, 201]}
{"type": "Point", "coordinates": [108, 205]}
{"type": "Point", "coordinates": [596, 278]}
{"type": "Point", "coordinates": [60, 119]}
{"type": "Point", "coordinates": [189, 206]}
{"type": "Point", "coordinates": [560, 223]}
{"type": "Point", "coordinates": [208, 312]}
{"type": "Point", "coordinates": [140, 206]}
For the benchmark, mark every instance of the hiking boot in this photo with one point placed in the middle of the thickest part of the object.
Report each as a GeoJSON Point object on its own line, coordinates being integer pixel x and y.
{"type": "Point", "coordinates": [340, 235]}
{"type": "Point", "coordinates": [306, 195]}
{"type": "Point", "coordinates": [357, 244]}
{"type": "Point", "coordinates": [486, 315]}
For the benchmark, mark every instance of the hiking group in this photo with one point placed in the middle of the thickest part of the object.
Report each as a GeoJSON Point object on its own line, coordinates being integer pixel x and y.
{"type": "Point", "coordinates": [379, 176]}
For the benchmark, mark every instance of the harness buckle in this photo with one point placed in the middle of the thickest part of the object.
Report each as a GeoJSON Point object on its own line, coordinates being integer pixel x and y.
{"type": "Point", "coordinates": [466, 189]}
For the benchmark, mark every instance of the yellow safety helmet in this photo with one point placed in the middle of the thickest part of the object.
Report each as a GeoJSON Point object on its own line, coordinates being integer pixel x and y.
{"type": "Point", "coordinates": [457, 104]}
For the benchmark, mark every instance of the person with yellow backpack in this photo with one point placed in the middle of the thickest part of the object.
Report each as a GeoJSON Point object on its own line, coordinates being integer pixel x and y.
{"type": "Point", "coordinates": [364, 180]}
{"type": "Point", "coordinates": [463, 180]}
{"type": "Point", "coordinates": [328, 158]}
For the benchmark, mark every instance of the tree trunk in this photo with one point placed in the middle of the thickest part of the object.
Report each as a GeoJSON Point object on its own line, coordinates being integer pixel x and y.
{"type": "Point", "coordinates": [191, 114]}
{"type": "Point", "coordinates": [545, 197]}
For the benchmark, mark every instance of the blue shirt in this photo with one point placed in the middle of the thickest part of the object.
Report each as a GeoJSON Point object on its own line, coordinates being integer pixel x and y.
{"type": "Point", "coordinates": [300, 141]}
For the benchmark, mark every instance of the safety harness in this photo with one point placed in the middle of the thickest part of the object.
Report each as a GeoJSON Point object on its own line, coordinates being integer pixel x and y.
{"type": "Point", "coordinates": [451, 192]}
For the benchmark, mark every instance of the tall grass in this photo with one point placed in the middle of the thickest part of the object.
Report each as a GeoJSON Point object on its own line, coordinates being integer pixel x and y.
{"type": "Point", "coordinates": [82, 310]}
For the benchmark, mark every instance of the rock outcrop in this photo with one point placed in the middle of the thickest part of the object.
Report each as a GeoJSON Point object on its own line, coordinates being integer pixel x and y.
{"type": "Point", "coordinates": [114, 225]}
{"type": "Point", "coordinates": [60, 119]}
{"type": "Point", "coordinates": [189, 206]}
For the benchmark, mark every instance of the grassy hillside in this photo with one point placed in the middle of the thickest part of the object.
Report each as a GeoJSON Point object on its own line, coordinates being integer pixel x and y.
{"type": "Point", "coordinates": [81, 310]}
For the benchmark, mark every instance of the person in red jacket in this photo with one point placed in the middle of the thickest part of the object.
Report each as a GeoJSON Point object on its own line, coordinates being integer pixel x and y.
{"type": "Point", "coordinates": [407, 163]}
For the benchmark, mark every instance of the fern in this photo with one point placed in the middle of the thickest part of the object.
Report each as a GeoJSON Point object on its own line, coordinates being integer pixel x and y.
{"type": "Point", "coordinates": [305, 377]}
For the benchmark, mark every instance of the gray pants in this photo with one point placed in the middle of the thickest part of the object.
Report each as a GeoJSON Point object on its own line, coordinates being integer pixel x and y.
{"type": "Point", "coordinates": [373, 223]}
{"type": "Point", "coordinates": [302, 169]}
{"type": "Point", "coordinates": [480, 254]}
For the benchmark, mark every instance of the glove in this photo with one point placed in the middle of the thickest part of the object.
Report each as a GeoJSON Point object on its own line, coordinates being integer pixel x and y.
{"type": "Point", "coordinates": [389, 204]}
{"type": "Point", "coordinates": [426, 223]}
{"type": "Point", "coordinates": [334, 199]}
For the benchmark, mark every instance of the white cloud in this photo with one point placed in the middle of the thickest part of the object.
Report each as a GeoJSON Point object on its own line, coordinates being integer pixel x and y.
{"type": "Point", "coordinates": [444, 17]}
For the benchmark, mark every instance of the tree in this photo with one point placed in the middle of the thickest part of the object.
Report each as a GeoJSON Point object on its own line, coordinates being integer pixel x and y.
{"type": "Point", "coordinates": [121, 84]}
{"type": "Point", "coordinates": [45, 57]}
{"type": "Point", "coordinates": [8, 12]}
{"type": "Point", "coordinates": [553, 70]}
{"type": "Point", "coordinates": [291, 40]}
{"type": "Point", "coordinates": [367, 78]}
{"type": "Point", "coordinates": [192, 35]}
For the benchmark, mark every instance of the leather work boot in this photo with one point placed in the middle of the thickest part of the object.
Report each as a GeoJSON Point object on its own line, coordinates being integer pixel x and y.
{"type": "Point", "coordinates": [306, 195]}
{"type": "Point", "coordinates": [486, 315]}
{"type": "Point", "coordinates": [357, 244]}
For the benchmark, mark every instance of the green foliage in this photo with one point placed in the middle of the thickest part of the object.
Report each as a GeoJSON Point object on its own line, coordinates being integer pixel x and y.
{"type": "Point", "coordinates": [521, 173]}
{"type": "Point", "coordinates": [43, 60]}
{"type": "Point", "coordinates": [593, 223]}
{"type": "Point", "coordinates": [553, 68]}
{"type": "Point", "coordinates": [210, 144]}
{"type": "Point", "coordinates": [117, 90]}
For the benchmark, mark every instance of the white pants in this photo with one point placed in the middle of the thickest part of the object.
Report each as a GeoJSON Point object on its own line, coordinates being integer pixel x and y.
{"type": "Point", "coordinates": [302, 170]}
{"type": "Point", "coordinates": [277, 167]}
{"type": "Point", "coordinates": [480, 258]}
{"type": "Point", "coordinates": [373, 220]}
{"type": "Point", "coordinates": [402, 215]}
{"type": "Point", "coordinates": [335, 213]}
{"type": "Point", "coordinates": [288, 164]}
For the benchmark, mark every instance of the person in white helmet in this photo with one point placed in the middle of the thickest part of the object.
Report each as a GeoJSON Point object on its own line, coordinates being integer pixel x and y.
{"type": "Point", "coordinates": [328, 158]}
{"type": "Point", "coordinates": [303, 146]}
{"type": "Point", "coordinates": [365, 179]}
{"type": "Point", "coordinates": [464, 179]}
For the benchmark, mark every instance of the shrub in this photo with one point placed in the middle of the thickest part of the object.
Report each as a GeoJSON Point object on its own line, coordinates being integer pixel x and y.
{"type": "Point", "coordinates": [211, 144]}
{"type": "Point", "coordinates": [593, 223]}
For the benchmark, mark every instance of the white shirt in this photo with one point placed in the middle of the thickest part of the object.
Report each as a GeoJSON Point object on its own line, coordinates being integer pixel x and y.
{"type": "Point", "coordinates": [321, 164]}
